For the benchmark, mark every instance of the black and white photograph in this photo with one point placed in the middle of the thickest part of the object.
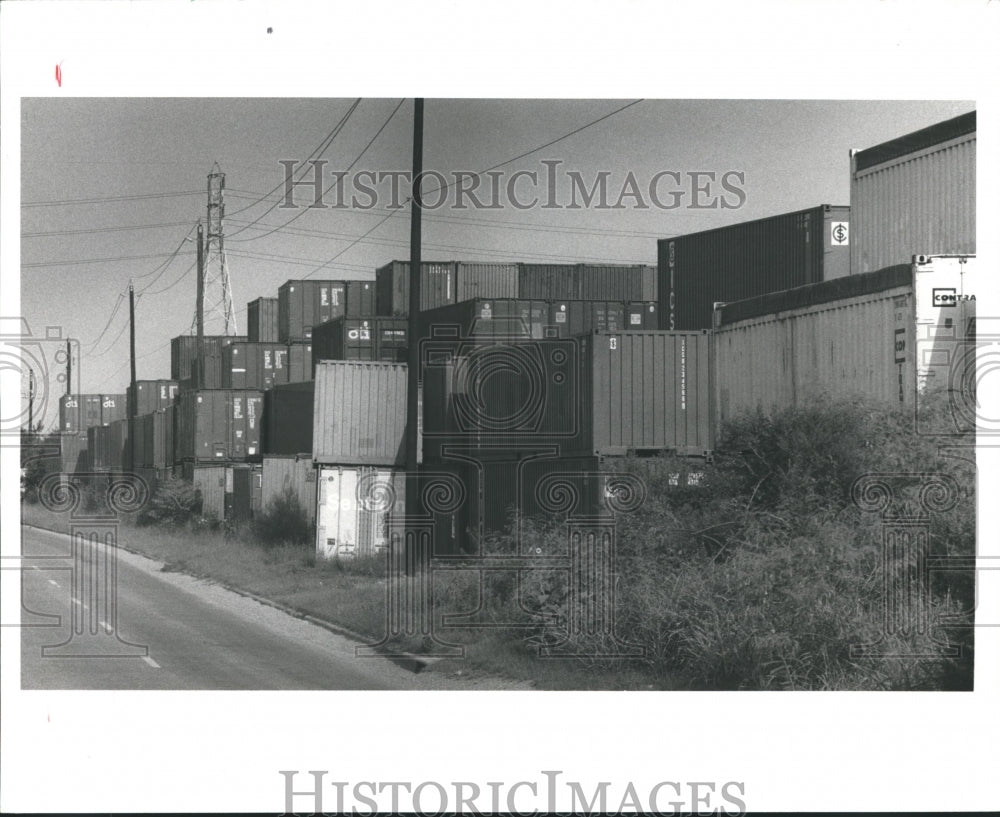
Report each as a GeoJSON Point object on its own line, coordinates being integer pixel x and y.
{"type": "Point", "coordinates": [358, 417]}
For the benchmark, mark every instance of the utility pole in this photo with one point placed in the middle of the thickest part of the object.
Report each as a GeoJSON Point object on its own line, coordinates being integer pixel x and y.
{"type": "Point", "coordinates": [412, 331]}
{"type": "Point", "coordinates": [31, 400]}
{"type": "Point", "coordinates": [69, 368]}
{"type": "Point", "coordinates": [132, 403]}
{"type": "Point", "coordinates": [199, 310]}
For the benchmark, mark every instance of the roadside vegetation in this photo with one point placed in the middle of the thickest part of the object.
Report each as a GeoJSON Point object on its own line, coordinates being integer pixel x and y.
{"type": "Point", "coordinates": [757, 571]}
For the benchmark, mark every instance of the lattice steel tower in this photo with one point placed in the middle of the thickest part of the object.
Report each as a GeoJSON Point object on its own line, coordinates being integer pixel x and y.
{"type": "Point", "coordinates": [219, 316]}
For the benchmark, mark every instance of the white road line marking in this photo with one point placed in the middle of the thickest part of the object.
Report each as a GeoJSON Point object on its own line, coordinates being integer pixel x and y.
{"type": "Point", "coordinates": [151, 662]}
{"type": "Point", "coordinates": [53, 582]}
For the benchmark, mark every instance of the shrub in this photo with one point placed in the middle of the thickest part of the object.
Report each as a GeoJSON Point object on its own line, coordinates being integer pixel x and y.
{"type": "Point", "coordinates": [174, 502]}
{"type": "Point", "coordinates": [284, 522]}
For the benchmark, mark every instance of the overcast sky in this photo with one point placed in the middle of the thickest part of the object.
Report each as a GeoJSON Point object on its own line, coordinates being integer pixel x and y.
{"type": "Point", "coordinates": [141, 165]}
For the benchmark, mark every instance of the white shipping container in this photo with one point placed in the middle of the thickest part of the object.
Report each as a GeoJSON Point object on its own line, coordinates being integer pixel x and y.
{"type": "Point", "coordinates": [353, 505]}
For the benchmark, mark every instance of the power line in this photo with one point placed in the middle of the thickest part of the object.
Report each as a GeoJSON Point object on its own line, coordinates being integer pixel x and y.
{"type": "Point", "coordinates": [102, 200]}
{"type": "Point", "coordinates": [79, 262]}
{"type": "Point", "coordinates": [91, 230]}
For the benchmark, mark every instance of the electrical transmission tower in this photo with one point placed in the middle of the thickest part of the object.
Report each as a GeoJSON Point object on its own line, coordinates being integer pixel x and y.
{"type": "Point", "coordinates": [217, 298]}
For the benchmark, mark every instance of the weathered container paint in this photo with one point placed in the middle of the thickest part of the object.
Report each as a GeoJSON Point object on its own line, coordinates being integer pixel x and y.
{"type": "Point", "coordinates": [288, 419]}
{"type": "Point", "coordinates": [514, 318]}
{"type": "Point", "coordinates": [547, 282]}
{"type": "Point", "coordinates": [295, 474]}
{"type": "Point", "coordinates": [748, 259]}
{"type": "Point", "coordinates": [300, 358]}
{"type": "Point", "coordinates": [262, 320]}
{"type": "Point", "coordinates": [306, 303]}
{"type": "Point", "coordinates": [254, 365]}
{"type": "Point", "coordinates": [568, 318]}
{"type": "Point", "coordinates": [152, 395]}
{"type": "Point", "coordinates": [353, 505]}
{"type": "Point", "coordinates": [615, 282]}
{"type": "Point", "coordinates": [219, 425]}
{"type": "Point", "coordinates": [392, 286]}
{"type": "Point", "coordinates": [371, 338]}
{"type": "Point", "coordinates": [485, 279]}
{"type": "Point", "coordinates": [915, 194]}
{"type": "Point", "coordinates": [184, 350]}
{"type": "Point", "coordinates": [359, 413]}
{"type": "Point", "coordinates": [360, 299]}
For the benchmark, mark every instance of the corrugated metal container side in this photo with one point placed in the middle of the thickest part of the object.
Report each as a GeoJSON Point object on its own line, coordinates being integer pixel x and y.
{"type": "Point", "coordinates": [305, 304]}
{"type": "Point", "coordinates": [78, 412]}
{"type": "Point", "coordinates": [296, 475]}
{"type": "Point", "coordinates": [474, 279]}
{"type": "Point", "coordinates": [153, 395]}
{"type": "Point", "coordinates": [392, 286]}
{"type": "Point", "coordinates": [184, 350]}
{"type": "Point", "coordinates": [745, 260]}
{"type": "Point", "coordinates": [288, 419]}
{"type": "Point", "coordinates": [164, 443]}
{"type": "Point", "coordinates": [651, 391]}
{"type": "Point", "coordinates": [107, 445]}
{"type": "Point", "coordinates": [112, 408]}
{"type": "Point", "coordinates": [915, 194]}
{"type": "Point", "coordinates": [360, 299]}
{"type": "Point", "coordinates": [211, 481]}
{"type": "Point", "coordinates": [514, 318]}
{"type": "Point", "coordinates": [501, 493]}
{"type": "Point", "coordinates": [262, 320]}
{"type": "Point", "coordinates": [254, 365]}
{"type": "Point", "coordinates": [359, 415]}
{"type": "Point", "coordinates": [206, 372]}
{"type": "Point", "coordinates": [353, 506]}
{"type": "Point", "coordinates": [858, 345]}
{"type": "Point", "coordinates": [300, 367]}
{"type": "Point", "coordinates": [568, 318]}
{"type": "Point", "coordinates": [615, 282]}
{"type": "Point", "coordinates": [371, 338]}
{"type": "Point", "coordinates": [73, 454]}
{"type": "Point", "coordinates": [143, 435]}
{"type": "Point", "coordinates": [219, 425]}
{"type": "Point", "coordinates": [243, 493]}
{"type": "Point", "coordinates": [546, 282]}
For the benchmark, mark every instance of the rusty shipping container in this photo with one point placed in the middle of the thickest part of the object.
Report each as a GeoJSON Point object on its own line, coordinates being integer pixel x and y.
{"type": "Point", "coordinates": [392, 286]}
{"type": "Point", "coordinates": [184, 350]}
{"type": "Point", "coordinates": [568, 318]}
{"type": "Point", "coordinates": [305, 304]}
{"type": "Point", "coordinates": [359, 413]}
{"type": "Point", "coordinates": [605, 394]}
{"type": "Point", "coordinates": [485, 279]}
{"type": "Point", "coordinates": [288, 419]}
{"type": "Point", "coordinates": [262, 320]}
{"type": "Point", "coordinates": [372, 338]}
{"type": "Point", "coordinates": [915, 194]}
{"type": "Point", "coordinates": [254, 365]}
{"type": "Point", "coordinates": [218, 425]}
{"type": "Point", "coordinates": [879, 336]}
{"type": "Point", "coordinates": [749, 259]}
{"type": "Point", "coordinates": [153, 395]}
{"type": "Point", "coordinates": [512, 318]}
{"type": "Point", "coordinates": [360, 299]}
{"type": "Point", "coordinates": [353, 505]}
{"type": "Point", "coordinates": [289, 474]}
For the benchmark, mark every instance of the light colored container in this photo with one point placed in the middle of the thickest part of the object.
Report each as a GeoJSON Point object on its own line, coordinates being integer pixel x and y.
{"type": "Point", "coordinates": [353, 507]}
{"type": "Point", "coordinates": [359, 413]}
{"type": "Point", "coordinates": [916, 193]}
{"type": "Point", "coordinates": [295, 474]}
{"type": "Point", "coordinates": [211, 481]}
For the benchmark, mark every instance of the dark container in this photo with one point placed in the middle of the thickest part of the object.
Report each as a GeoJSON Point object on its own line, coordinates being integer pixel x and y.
{"type": "Point", "coordinates": [615, 282]}
{"type": "Point", "coordinates": [360, 299]}
{"type": "Point", "coordinates": [154, 436]}
{"type": "Point", "coordinates": [218, 425]}
{"type": "Point", "coordinates": [305, 304]}
{"type": "Point", "coordinates": [184, 350]}
{"type": "Point", "coordinates": [489, 279]}
{"type": "Point", "coordinates": [299, 362]}
{"type": "Point", "coordinates": [499, 318]}
{"type": "Point", "coordinates": [603, 394]}
{"type": "Point", "coordinates": [143, 437]}
{"type": "Point", "coordinates": [243, 493]}
{"type": "Point", "coordinates": [73, 455]}
{"type": "Point", "coordinates": [108, 446]}
{"type": "Point", "coordinates": [112, 408]}
{"type": "Point", "coordinates": [78, 412]}
{"type": "Point", "coordinates": [392, 286]}
{"type": "Point", "coordinates": [371, 338]}
{"type": "Point", "coordinates": [206, 373]}
{"type": "Point", "coordinates": [165, 452]}
{"type": "Point", "coordinates": [546, 282]}
{"type": "Point", "coordinates": [288, 419]}
{"type": "Point", "coordinates": [262, 320]}
{"type": "Point", "coordinates": [568, 318]}
{"type": "Point", "coordinates": [254, 365]}
{"type": "Point", "coordinates": [153, 395]}
{"type": "Point", "coordinates": [746, 260]}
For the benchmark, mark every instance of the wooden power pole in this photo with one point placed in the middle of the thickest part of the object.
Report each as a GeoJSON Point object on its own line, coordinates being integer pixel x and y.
{"type": "Point", "coordinates": [412, 331]}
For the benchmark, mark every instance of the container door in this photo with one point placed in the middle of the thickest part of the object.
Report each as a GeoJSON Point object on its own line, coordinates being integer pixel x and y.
{"type": "Point", "coordinates": [241, 508]}
{"type": "Point", "coordinates": [336, 513]}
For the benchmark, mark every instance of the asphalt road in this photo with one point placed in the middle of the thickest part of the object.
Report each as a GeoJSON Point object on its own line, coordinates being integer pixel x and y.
{"type": "Point", "coordinates": [174, 632]}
